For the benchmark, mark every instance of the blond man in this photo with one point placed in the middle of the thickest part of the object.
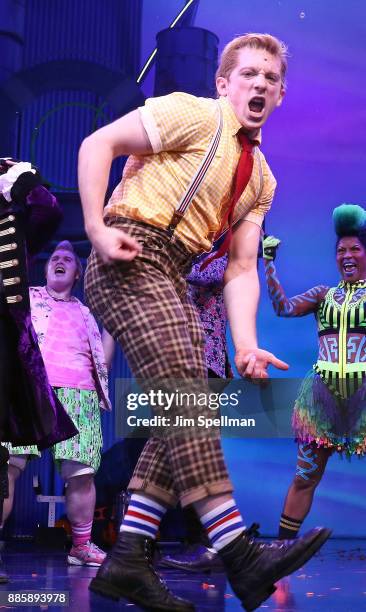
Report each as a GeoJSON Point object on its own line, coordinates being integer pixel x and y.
{"type": "Point", "coordinates": [144, 244]}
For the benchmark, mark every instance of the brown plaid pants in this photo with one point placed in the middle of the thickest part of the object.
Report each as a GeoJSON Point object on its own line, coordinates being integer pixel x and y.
{"type": "Point", "coordinates": [144, 305]}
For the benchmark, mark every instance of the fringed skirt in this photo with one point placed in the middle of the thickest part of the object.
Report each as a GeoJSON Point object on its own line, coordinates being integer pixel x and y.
{"type": "Point", "coordinates": [322, 417]}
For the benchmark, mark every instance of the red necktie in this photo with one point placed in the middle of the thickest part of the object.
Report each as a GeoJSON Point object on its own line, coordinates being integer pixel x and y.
{"type": "Point", "coordinates": [241, 179]}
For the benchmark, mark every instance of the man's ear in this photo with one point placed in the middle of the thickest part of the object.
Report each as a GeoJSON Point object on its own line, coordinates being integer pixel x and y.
{"type": "Point", "coordinates": [281, 96]}
{"type": "Point", "coordinates": [221, 86]}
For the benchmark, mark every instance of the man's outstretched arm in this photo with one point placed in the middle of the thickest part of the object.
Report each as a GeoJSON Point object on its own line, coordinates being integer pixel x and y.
{"type": "Point", "coordinates": [122, 137]}
{"type": "Point", "coordinates": [241, 293]}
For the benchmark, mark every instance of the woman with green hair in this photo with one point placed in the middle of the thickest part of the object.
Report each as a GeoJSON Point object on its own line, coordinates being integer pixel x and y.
{"type": "Point", "coordinates": [330, 410]}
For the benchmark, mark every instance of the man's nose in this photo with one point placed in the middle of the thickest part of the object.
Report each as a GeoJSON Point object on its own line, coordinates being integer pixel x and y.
{"type": "Point", "coordinates": [260, 81]}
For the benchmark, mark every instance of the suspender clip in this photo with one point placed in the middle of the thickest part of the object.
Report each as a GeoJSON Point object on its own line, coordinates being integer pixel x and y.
{"type": "Point", "coordinates": [176, 218]}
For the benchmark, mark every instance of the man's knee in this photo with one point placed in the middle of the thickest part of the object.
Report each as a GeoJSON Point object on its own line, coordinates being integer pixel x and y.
{"type": "Point", "coordinates": [17, 465]}
{"type": "Point", "coordinates": [77, 474]}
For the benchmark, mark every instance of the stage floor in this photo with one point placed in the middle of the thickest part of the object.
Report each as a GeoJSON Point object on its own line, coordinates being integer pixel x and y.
{"type": "Point", "coordinates": [334, 581]}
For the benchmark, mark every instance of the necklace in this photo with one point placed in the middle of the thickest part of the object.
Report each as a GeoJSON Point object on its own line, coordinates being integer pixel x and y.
{"type": "Point", "coordinates": [57, 298]}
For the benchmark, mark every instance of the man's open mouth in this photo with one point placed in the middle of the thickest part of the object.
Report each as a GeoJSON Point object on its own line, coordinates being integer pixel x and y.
{"type": "Point", "coordinates": [256, 104]}
{"type": "Point", "coordinates": [59, 269]}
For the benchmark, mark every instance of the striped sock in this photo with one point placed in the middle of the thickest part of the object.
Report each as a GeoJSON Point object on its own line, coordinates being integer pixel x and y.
{"type": "Point", "coordinates": [81, 533]}
{"type": "Point", "coordinates": [288, 528]}
{"type": "Point", "coordinates": [143, 516]}
{"type": "Point", "coordinates": [223, 524]}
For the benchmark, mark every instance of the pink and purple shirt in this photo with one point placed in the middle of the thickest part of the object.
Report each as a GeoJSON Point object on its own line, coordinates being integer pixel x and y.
{"type": "Point", "coordinates": [66, 350]}
{"type": "Point", "coordinates": [70, 343]}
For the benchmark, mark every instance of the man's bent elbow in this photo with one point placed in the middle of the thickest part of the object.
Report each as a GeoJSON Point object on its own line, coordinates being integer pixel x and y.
{"type": "Point", "coordinates": [84, 149]}
{"type": "Point", "coordinates": [88, 143]}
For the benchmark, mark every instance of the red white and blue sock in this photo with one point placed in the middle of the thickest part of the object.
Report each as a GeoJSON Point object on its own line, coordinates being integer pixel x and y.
{"type": "Point", "coordinates": [223, 524]}
{"type": "Point", "coordinates": [143, 516]}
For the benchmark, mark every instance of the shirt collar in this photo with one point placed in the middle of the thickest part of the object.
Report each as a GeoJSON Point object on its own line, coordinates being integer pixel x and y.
{"type": "Point", "coordinates": [346, 285]}
{"type": "Point", "coordinates": [233, 122]}
{"type": "Point", "coordinates": [49, 297]}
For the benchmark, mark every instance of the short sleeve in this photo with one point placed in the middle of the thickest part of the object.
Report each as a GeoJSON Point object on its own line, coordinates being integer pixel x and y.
{"type": "Point", "coordinates": [178, 121]}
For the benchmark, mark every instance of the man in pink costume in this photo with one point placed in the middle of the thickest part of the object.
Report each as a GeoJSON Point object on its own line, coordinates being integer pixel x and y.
{"type": "Point", "coordinates": [72, 350]}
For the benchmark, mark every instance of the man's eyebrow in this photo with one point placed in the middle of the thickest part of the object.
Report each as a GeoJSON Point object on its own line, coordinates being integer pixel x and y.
{"type": "Point", "coordinates": [272, 72]}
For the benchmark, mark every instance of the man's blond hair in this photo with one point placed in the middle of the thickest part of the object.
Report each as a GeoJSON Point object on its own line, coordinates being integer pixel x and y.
{"type": "Point", "coordinates": [273, 45]}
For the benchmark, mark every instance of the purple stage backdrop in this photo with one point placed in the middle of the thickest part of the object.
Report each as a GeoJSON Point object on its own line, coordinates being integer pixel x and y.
{"type": "Point", "coordinates": [315, 144]}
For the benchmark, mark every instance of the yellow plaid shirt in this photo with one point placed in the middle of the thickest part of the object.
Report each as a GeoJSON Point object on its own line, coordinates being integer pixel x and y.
{"type": "Point", "coordinates": [180, 128]}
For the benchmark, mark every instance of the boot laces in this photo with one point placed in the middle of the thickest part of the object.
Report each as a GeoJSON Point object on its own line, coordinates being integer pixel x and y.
{"type": "Point", "coordinates": [149, 553]}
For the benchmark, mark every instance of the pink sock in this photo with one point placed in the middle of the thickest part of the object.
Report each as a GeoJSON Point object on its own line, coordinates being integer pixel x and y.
{"type": "Point", "coordinates": [81, 533]}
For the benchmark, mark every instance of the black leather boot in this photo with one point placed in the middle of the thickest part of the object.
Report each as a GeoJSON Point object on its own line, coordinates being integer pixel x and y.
{"type": "Point", "coordinates": [253, 568]}
{"type": "Point", "coordinates": [201, 558]}
{"type": "Point", "coordinates": [128, 572]}
{"type": "Point", "coordinates": [194, 558]}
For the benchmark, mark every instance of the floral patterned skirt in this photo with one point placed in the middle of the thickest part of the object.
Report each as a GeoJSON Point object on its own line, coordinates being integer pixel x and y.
{"type": "Point", "coordinates": [82, 406]}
